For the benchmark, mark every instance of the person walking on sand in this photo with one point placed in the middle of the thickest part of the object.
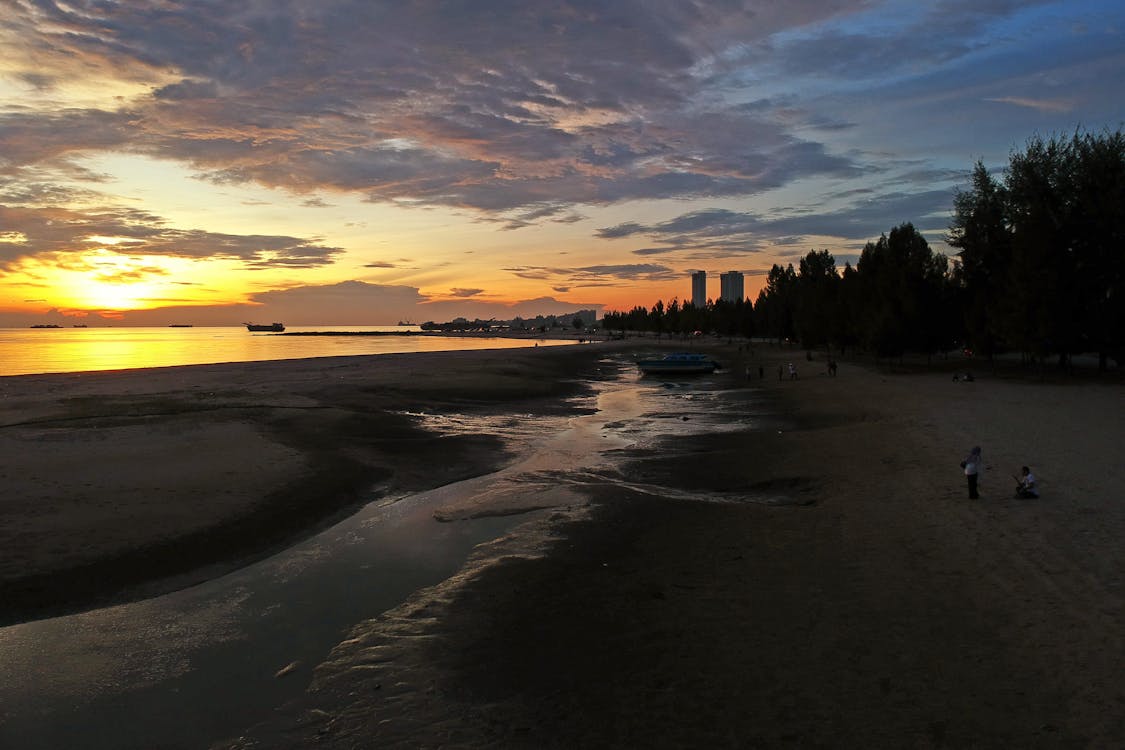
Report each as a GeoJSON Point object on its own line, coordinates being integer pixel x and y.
{"type": "Point", "coordinates": [973, 466]}
{"type": "Point", "coordinates": [1025, 485]}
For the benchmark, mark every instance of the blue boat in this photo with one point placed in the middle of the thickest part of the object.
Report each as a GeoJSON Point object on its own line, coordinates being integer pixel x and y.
{"type": "Point", "coordinates": [686, 363]}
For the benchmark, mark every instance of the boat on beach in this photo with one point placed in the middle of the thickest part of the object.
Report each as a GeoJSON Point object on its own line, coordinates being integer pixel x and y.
{"type": "Point", "coordinates": [263, 327]}
{"type": "Point", "coordinates": [685, 363]}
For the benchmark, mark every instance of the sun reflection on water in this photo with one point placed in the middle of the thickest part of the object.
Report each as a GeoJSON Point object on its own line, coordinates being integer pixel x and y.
{"type": "Point", "coordinates": [25, 351]}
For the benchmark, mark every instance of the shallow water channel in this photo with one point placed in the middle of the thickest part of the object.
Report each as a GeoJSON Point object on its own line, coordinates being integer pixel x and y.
{"type": "Point", "coordinates": [195, 666]}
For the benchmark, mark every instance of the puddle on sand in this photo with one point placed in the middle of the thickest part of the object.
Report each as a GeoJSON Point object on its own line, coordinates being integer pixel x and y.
{"type": "Point", "coordinates": [631, 413]}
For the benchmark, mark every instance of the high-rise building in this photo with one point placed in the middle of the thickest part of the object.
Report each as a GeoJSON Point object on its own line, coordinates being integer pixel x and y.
{"type": "Point", "coordinates": [731, 287]}
{"type": "Point", "coordinates": [699, 288]}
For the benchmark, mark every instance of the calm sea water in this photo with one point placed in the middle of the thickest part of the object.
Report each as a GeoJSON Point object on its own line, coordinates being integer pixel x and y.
{"type": "Point", "coordinates": [28, 351]}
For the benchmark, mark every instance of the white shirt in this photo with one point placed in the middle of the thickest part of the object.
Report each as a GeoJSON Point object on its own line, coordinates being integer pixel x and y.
{"type": "Point", "coordinates": [974, 464]}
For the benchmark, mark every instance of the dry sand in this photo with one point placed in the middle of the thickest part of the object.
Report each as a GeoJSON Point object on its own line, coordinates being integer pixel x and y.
{"type": "Point", "coordinates": [879, 607]}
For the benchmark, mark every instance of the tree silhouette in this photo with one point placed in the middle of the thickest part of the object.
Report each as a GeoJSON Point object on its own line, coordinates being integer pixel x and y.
{"type": "Point", "coordinates": [777, 302]}
{"type": "Point", "coordinates": [980, 230]}
{"type": "Point", "coordinates": [902, 285]}
{"type": "Point", "coordinates": [817, 293]}
{"type": "Point", "coordinates": [1040, 267]}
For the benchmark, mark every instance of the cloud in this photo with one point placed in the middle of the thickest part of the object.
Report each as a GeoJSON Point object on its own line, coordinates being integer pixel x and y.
{"type": "Point", "coordinates": [113, 275]}
{"type": "Point", "coordinates": [884, 41]}
{"type": "Point", "coordinates": [732, 232]}
{"type": "Point", "coordinates": [627, 229]}
{"type": "Point", "coordinates": [347, 299]}
{"type": "Point", "coordinates": [557, 213]}
{"type": "Point", "coordinates": [28, 193]}
{"type": "Point", "coordinates": [459, 292]}
{"type": "Point", "coordinates": [595, 276]}
{"type": "Point", "coordinates": [52, 137]}
{"type": "Point", "coordinates": [59, 231]}
{"type": "Point", "coordinates": [1042, 105]}
{"type": "Point", "coordinates": [424, 103]}
{"type": "Point", "coordinates": [523, 113]}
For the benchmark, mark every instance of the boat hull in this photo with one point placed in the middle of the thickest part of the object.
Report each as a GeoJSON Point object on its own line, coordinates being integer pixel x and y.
{"type": "Point", "coordinates": [272, 328]}
{"type": "Point", "coordinates": [678, 364]}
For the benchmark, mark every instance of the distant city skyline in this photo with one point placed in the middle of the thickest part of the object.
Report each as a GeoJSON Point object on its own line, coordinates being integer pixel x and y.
{"type": "Point", "coordinates": [731, 287]}
{"type": "Point", "coordinates": [363, 162]}
{"type": "Point", "coordinates": [699, 288]}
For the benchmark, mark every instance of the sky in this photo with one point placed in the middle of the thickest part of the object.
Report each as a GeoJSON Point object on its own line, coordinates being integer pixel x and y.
{"type": "Point", "coordinates": [362, 162]}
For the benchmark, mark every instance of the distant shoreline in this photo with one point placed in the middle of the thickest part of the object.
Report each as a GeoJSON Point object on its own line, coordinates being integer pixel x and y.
{"type": "Point", "coordinates": [355, 333]}
{"type": "Point", "coordinates": [553, 335]}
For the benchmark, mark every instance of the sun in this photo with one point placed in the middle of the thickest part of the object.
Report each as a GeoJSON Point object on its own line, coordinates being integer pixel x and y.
{"type": "Point", "coordinates": [114, 295]}
{"type": "Point", "coordinates": [105, 280]}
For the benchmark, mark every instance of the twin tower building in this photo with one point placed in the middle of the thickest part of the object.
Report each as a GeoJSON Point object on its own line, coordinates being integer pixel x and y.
{"type": "Point", "coordinates": [730, 287]}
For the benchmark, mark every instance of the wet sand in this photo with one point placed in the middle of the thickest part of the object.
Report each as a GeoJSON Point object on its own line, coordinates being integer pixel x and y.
{"type": "Point", "coordinates": [123, 485]}
{"type": "Point", "coordinates": [862, 601]}
{"type": "Point", "coordinates": [822, 581]}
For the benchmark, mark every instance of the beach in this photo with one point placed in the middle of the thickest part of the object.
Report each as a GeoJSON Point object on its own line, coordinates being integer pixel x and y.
{"type": "Point", "coordinates": [818, 578]}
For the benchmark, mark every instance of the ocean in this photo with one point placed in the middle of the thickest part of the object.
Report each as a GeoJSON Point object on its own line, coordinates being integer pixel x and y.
{"type": "Point", "coordinates": [30, 351]}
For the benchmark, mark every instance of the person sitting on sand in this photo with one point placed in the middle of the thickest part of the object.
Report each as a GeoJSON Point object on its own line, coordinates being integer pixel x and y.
{"type": "Point", "coordinates": [1025, 485]}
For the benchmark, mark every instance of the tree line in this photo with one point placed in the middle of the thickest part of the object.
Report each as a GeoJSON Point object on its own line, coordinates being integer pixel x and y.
{"type": "Point", "coordinates": [1039, 269]}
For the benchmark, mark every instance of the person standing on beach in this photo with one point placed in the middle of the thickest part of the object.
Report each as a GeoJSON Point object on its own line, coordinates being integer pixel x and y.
{"type": "Point", "coordinates": [973, 466]}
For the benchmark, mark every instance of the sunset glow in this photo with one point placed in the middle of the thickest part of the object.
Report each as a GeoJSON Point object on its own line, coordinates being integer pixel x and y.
{"type": "Point", "coordinates": [347, 162]}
